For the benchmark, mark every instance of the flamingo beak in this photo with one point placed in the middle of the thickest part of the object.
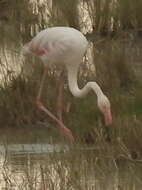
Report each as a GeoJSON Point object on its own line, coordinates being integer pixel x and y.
{"type": "Point", "coordinates": [107, 117]}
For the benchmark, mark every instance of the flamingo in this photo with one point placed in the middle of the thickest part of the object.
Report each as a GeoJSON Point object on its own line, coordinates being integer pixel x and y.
{"type": "Point", "coordinates": [65, 46]}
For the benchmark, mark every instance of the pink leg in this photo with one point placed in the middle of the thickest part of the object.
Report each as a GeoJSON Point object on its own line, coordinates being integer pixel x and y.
{"type": "Point", "coordinates": [60, 104]}
{"type": "Point", "coordinates": [65, 131]}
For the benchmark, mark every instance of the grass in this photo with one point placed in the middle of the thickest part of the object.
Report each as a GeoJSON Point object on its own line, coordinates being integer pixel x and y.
{"type": "Point", "coordinates": [102, 165]}
{"type": "Point", "coordinates": [112, 160]}
{"type": "Point", "coordinates": [115, 74]}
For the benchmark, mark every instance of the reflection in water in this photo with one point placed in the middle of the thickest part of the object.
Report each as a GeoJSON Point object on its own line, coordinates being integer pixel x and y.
{"type": "Point", "coordinates": [32, 148]}
{"type": "Point", "coordinates": [22, 165]}
{"type": "Point", "coordinates": [47, 167]}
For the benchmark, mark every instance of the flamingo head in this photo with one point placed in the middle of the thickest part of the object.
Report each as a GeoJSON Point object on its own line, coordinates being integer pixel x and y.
{"type": "Point", "coordinates": [105, 108]}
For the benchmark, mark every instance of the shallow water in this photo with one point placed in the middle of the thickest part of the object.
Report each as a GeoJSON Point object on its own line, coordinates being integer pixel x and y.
{"type": "Point", "coordinates": [29, 159]}
{"type": "Point", "coordinates": [20, 162]}
{"type": "Point", "coordinates": [38, 165]}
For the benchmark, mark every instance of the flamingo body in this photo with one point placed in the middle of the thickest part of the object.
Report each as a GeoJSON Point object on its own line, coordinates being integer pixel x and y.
{"type": "Point", "coordinates": [66, 46]}
{"type": "Point", "coordinates": [59, 45]}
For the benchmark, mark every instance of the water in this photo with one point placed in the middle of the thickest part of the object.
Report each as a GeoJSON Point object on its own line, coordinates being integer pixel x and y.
{"type": "Point", "coordinates": [18, 149]}
{"type": "Point", "coordinates": [20, 164]}
{"type": "Point", "coordinates": [42, 166]}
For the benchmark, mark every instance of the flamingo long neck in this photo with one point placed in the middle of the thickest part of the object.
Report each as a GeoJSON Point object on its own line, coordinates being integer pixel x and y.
{"type": "Point", "coordinates": [73, 85]}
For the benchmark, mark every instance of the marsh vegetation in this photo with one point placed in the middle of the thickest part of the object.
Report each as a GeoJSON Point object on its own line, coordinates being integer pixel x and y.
{"type": "Point", "coordinates": [114, 31]}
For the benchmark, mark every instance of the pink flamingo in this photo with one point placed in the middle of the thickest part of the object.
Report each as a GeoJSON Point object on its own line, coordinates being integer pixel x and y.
{"type": "Point", "coordinates": [66, 46]}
